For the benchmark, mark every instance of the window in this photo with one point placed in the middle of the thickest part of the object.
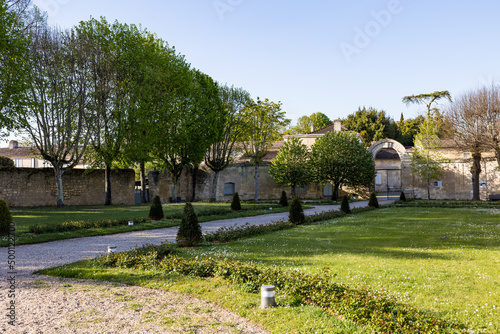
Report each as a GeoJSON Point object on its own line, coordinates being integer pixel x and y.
{"type": "Point", "coordinates": [482, 184]}
{"type": "Point", "coordinates": [301, 190]}
{"type": "Point", "coordinates": [228, 188]}
{"type": "Point", "coordinates": [438, 183]}
{"type": "Point", "coordinates": [328, 190]}
{"type": "Point", "coordinates": [378, 178]}
{"type": "Point", "coordinates": [18, 162]}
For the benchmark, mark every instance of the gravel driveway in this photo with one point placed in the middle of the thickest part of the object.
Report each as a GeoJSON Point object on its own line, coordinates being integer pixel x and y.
{"type": "Point", "coordinates": [50, 305]}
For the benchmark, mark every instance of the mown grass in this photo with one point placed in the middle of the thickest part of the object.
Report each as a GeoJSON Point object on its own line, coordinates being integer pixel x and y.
{"type": "Point", "coordinates": [442, 260]}
{"type": "Point", "coordinates": [25, 217]}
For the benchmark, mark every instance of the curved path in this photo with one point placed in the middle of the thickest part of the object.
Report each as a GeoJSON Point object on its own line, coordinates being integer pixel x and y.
{"type": "Point", "coordinates": [33, 257]}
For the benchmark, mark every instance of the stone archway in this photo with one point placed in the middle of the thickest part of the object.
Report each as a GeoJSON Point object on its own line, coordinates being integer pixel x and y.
{"type": "Point", "coordinates": [389, 143]}
{"type": "Point", "coordinates": [389, 165]}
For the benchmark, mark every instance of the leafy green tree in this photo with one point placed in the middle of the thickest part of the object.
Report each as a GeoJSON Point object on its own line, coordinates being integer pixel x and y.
{"type": "Point", "coordinates": [220, 153]}
{"type": "Point", "coordinates": [189, 233]}
{"type": "Point", "coordinates": [408, 128]}
{"type": "Point", "coordinates": [426, 160]}
{"type": "Point", "coordinates": [262, 122]}
{"type": "Point", "coordinates": [341, 159]}
{"type": "Point", "coordinates": [427, 99]}
{"type": "Point", "coordinates": [13, 66]}
{"type": "Point", "coordinates": [290, 168]}
{"type": "Point", "coordinates": [6, 162]}
{"type": "Point", "coordinates": [371, 124]}
{"type": "Point", "coordinates": [306, 124]}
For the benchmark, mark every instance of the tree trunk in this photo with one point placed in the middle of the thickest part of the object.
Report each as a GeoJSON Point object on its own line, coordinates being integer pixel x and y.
{"type": "Point", "coordinates": [142, 176]}
{"type": "Point", "coordinates": [476, 170]}
{"type": "Point", "coordinates": [428, 189]}
{"type": "Point", "coordinates": [213, 198]}
{"type": "Point", "coordinates": [194, 175]}
{"type": "Point", "coordinates": [497, 155]}
{"type": "Point", "coordinates": [256, 197]}
{"type": "Point", "coordinates": [174, 189]}
{"type": "Point", "coordinates": [107, 183]}
{"type": "Point", "coordinates": [60, 195]}
{"type": "Point", "coordinates": [293, 190]}
{"type": "Point", "coordinates": [335, 195]}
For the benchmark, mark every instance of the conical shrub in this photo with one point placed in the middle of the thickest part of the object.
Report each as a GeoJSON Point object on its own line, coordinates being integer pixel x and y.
{"type": "Point", "coordinates": [344, 206]}
{"type": "Point", "coordinates": [5, 218]}
{"type": "Point", "coordinates": [373, 202]}
{"type": "Point", "coordinates": [283, 199]}
{"type": "Point", "coordinates": [296, 213]}
{"type": "Point", "coordinates": [156, 211]}
{"type": "Point", "coordinates": [402, 197]}
{"type": "Point", "coordinates": [235, 203]}
{"type": "Point", "coordinates": [189, 233]}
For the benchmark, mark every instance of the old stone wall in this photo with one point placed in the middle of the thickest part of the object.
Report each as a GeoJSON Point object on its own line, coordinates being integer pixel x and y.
{"type": "Point", "coordinates": [241, 175]}
{"type": "Point", "coordinates": [37, 187]}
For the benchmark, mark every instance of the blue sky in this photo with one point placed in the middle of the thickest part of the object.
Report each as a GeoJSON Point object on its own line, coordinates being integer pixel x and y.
{"type": "Point", "coordinates": [327, 56]}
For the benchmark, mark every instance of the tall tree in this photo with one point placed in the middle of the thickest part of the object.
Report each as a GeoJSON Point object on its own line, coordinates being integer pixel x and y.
{"type": "Point", "coordinates": [220, 153]}
{"type": "Point", "coordinates": [307, 124]}
{"type": "Point", "coordinates": [426, 159]}
{"type": "Point", "coordinates": [57, 100]}
{"type": "Point", "coordinates": [371, 124]}
{"type": "Point", "coordinates": [490, 102]}
{"type": "Point", "coordinates": [290, 168]}
{"type": "Point", "coordinates": [341, 159]}
{"type": "Point", "coordinates": [427, 99]}
{"type": "Point", "coordinates": [263, 122]}
{"type": "Point", "coordinates": [467, 116]}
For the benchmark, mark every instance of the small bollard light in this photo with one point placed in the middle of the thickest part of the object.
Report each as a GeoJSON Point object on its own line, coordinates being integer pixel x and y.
{"type": "Point", "coordinates": [131, 223]}
{"type": "Point", "coordinates": [111, 249]}
{"type": "Point", "coordinates": [267, 296]}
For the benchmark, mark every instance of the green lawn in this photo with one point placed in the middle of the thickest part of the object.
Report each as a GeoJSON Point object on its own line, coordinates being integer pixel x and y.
{"type": "Point", "coordinates": [25, 217]}
{"type": "Point", "coordinates": [442, 260]}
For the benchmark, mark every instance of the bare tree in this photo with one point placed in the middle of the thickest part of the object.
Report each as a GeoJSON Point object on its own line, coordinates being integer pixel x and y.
{"type": "Point", "coordinates": [57, 98]}
{"type": "Point", "coordinates": [468, 117]}
{"type": "Point", "coordinates": [490, 100]}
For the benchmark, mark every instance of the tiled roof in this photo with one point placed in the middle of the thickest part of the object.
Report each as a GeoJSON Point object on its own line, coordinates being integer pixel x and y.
{"type": "Point", "coordinates": [326, 129]}
{"type": "Point", "coordinates": [17, 152]}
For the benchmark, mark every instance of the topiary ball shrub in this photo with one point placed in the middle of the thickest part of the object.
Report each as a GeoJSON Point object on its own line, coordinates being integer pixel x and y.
{"type": "Point", "coordinates": [5, 218]}
{"type": "Point", "coordinates": [189, 233]}
{"type": "Point", "coordinates": [402, 197]}
{"type": "Point", "coordinates": [344, 206]}
{"type": "Point", "coordinates": [373, 202]}
{"type": "Point", "coordinates": [156, 211]}
{"type": "Point", "coordinates": [235, 203]}
{"type": "Point", "coordinates": [6, 162]}
{"type": "Point", "coordinates": [283, 199]}
{"type": "Point", "coordinates": [296, 213]}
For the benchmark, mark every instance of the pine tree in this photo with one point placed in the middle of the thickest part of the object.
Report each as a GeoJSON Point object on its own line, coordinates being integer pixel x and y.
{"type": "Point", "coordinates": [236, 204]}
{"type": "Point", "coordinates": [402, 197]}
{"type": "Point", "coordinates": [283, 199]}
{"type": "Point", "coordinates": [296, 213]}
{"type": "Point", "coordinates": [156, 211]}
{"type": "Point", "coordinates": [344, 206]}
{"type": "Point", "coordinates": [5, 218]}
{"type": "Point", "coordinates": [189, 233]}
{"type": "Point", "coordinates": [373, 202]}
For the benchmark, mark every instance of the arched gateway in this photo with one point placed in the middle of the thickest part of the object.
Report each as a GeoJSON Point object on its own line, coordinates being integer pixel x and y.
{"type": "Point", "coordinates": [390, 156]}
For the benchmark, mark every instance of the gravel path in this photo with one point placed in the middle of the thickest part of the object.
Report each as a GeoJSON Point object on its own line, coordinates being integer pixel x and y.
{"type": "Point", "coordinates": [48, 305]}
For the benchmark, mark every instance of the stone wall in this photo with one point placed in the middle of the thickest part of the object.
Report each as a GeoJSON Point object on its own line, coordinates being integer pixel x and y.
{"type": "Point", "coordinates": [37, 187]}
{"type": "Point", "coordinates": [241, 174]}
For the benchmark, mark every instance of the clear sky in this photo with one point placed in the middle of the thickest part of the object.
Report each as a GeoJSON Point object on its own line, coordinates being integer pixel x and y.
{"type": "Point", "coordinates": [327, 56]}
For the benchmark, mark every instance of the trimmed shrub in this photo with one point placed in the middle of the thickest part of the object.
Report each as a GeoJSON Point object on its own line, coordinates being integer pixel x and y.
{"type": "Point", "coordinates": [5, 218]}
{"type": "Point", "coordinates": [82, 225]}
{"type": "Point", "coordinates": [344, 206]}
{"type": "Point", "coordinates": [189, 233]}
{"type": "Point", "coordinates": [6, 162]}
{"type": "Point", "coordinates": [373, 202]}
{"type": "Point", "coordinates": [235, 203]}
{"type": "Point", "coordinates": [156, 211]}
{"type": "Point", "coordinates": [283, 199]}
{"type": "Point", "coordinates": [402, 197]}
{"type": "Point", "coordinates": [296, 213]}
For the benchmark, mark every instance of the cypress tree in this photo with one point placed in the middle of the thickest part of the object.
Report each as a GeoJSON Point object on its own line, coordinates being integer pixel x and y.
{"type": "Point", "coordinates": [402, 197]}
{"type": "Point", "coordinates": [373, 202]}
{"type": "Point", "coordinates": [344, 206]}
{"type": "Point", "coordinates": [189, 233]}
{"type": "Point", "coordinates": [156, 211]}
{"type": "Point", "coordinates": [5, 218]}
{"type": "Point", "coordinates": [283, 199]}
{"type": "Point", "coordinates": [235, 203]}
{"type": "Point", "coordinates": [296, 213]}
